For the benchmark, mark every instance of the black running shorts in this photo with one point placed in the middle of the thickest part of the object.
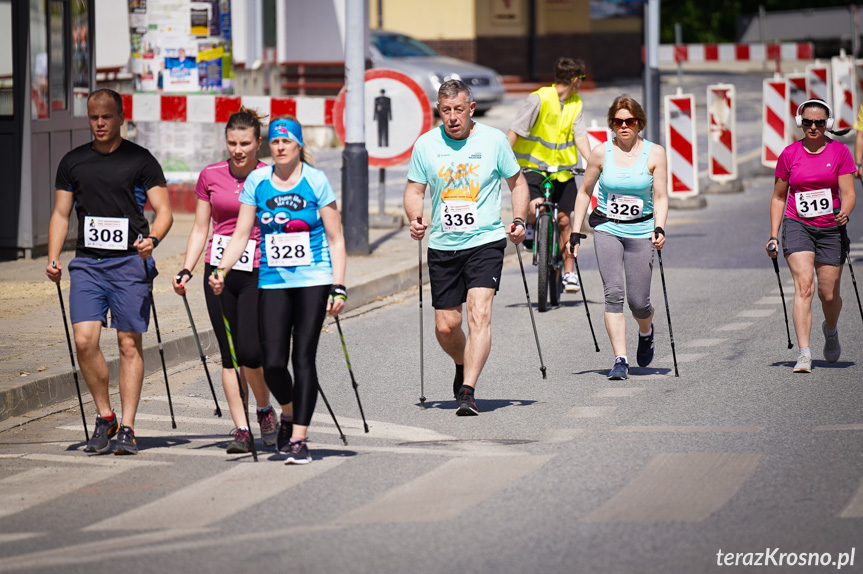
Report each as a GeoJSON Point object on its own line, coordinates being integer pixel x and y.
{"type": "Point", "coordinates": [562, 193]}
{"type": "Point", "coordinates": [825, 242]}
{"type": "Point", "coordinates": [452, 273]}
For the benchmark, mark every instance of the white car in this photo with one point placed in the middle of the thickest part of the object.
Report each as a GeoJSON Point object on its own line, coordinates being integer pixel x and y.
{"type": "Point", "coordinates": [430, 69]}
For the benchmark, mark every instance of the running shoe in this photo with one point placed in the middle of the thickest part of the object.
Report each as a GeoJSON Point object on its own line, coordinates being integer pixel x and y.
{"type": "Point", "coordinates": [101, 440]}
{"type": "Point", "coordinates": [269, 425]}
{"type": "Point", "coordinates": [832, 348]}
{"type": "Point", "coordinates": [466, 403]}
{"type": "Point", "coordinates": [570, 283]}
{"type": "Point", "coordinates": [126, 441]}
{"type": "Point", "coordinates": [284, 438]}
{"type": "Point", "coordinates": [804, 364]}
{"type": "Point", "coordinates": [620, 370]}
{"type": "Point", "coordinates": [644, 354]}
{"type": "Point", "coordinates": [242, 442]}
{"type": "Point", "coordinates": [528, 236]}
{"type": "Point", "coordinates": [298, 453]}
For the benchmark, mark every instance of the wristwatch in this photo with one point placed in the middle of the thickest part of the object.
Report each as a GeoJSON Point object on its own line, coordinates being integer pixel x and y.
{"type": "Point", "coordinates": [155, 241]}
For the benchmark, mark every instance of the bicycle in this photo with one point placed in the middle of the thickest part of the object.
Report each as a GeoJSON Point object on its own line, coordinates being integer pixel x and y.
{"type": "Point", "coordinates": [547, 255]}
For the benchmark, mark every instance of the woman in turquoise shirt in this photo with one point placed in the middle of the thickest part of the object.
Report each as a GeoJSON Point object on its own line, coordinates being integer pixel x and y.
{"type": "Point", "coordinates": [628, 223]}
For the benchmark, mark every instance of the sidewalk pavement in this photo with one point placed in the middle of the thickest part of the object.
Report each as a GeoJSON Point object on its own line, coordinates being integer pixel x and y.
{"type": "Point", "coordinates": [35, 369]}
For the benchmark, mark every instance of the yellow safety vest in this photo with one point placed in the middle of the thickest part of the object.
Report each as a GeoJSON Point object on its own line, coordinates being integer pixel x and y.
{"type": "Point", "coordinates": [551, 143]}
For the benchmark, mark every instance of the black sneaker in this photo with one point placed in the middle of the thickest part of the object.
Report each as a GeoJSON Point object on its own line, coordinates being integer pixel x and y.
{"type": "Point", "coordinates": [466, 403]}
{"type": "Point", "coordinates": [529, 234]}
{"type": "Point", "coordinates": [644, 354]}
{"type": "Point", "coordinates": [269, 426]}
{"type": "Point", "coordinates": [298, 453]}
{"type": "Point", "coordinates": [284, 438]}
{"type": "Point", "coordinates": [242, 442]}
{"type": "Point", "coordinates": [101, 440]}
{"type": "Point", "coordinates": [126, 441]}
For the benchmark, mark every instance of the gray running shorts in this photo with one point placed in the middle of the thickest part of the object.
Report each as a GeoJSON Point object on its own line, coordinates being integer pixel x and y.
{"type": "Point", "coordinates": [825, 242]}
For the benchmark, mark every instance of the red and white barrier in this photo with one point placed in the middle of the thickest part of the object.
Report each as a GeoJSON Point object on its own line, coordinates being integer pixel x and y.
{"type": "Point", "coordinates": [775, 112]}
{"type": "Point", "coordinates": [796, 96]}
{"type": "Point", "coordinates": [596, 135]}
{"type": "Point", "coordinates": [735, 52]}
{"type": "Point", "coordinates": [682, 149]}
{"type": "Point", "coordinates": [818, 83]}
{"type": "Point", "coordinates": [203, 108]}
{"type": "Point", "coordinates": [721, 130]}
{"type": "Point", "coordinates": [844, 92]}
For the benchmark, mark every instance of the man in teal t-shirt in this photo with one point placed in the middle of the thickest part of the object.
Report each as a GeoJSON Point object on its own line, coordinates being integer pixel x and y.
{"type": "Point", "coordinates": [463, 162]}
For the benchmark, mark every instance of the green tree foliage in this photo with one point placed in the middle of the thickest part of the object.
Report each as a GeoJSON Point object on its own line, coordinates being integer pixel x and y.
{"type": "Point", "coordinates": [714, 22]}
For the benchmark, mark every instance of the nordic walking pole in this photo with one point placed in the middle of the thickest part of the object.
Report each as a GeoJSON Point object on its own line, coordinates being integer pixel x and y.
{"type": "Point", "coordinates": [332, 414]}
{"type": "Point", "coordinates": [351, 371]}
{"type": "Point", "coordinates": [71, 356]}
{"type": "Point", "coordinates": [667, 312]}
{"type": "Point", "coordinates": [159, 337]}
{"type": "Point", "coordinates": [422, 375]}
{"type": "Point", "coordinates": [575, 239]}
{"type": "Point", "coordinates": [773, 248]}
{"type": "Point", "coordinates": [530, 308]}
{"type": "Point", "coordinates": [846, 245]}
{"type": "Point", "coordinates": [237, 373]}
{"type": "Point", "coordinates": [201, 352]}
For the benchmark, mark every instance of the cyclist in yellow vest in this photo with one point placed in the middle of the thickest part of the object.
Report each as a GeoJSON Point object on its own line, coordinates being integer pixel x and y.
{"type": "Point", "coordinates": [549, 134]}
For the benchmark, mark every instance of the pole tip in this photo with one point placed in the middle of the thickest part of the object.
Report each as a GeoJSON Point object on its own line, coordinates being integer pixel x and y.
{"type": "Point", "coordinates": [423, 403]}
{"type": "Point", "coordinates": [543, 371]}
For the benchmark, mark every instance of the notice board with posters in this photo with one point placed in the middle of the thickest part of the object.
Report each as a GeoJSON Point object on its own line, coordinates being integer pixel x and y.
{"type": "Point", "coordinates": [181, 46]}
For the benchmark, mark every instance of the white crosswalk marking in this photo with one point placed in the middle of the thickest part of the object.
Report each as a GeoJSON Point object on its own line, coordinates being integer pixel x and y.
{"type": "Point", "coordinates": [678, 487]}
{"type": "Point", "coordinates": [757, 312]}
{"type": "Point", "coordinates": [442, 493]}
{"type": "Point", "coordinates": [704, 342]}
{"type": "Point", "coordinates": [854, 508]}
{"type": "Point", "coordinates": [614, 392]}
{"type": "Point", "coordinates": [17, 494]}
{"type": "Point", "coordinates": [734, 326]}
{"type": "Point", "coordinates": [590, 412]}
{"type": "Point", "coordinates": [215, 498]}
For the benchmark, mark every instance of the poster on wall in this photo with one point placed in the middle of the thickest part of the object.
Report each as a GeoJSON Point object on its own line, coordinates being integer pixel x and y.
{"type": "Point", "coordinates": [181, 71]}
{"type": "Point", "coordinates": [210, 68]}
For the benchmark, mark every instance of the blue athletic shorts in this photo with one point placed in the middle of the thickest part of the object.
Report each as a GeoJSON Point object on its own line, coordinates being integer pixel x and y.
{"type": "Point", "coordinates": [116, 283]}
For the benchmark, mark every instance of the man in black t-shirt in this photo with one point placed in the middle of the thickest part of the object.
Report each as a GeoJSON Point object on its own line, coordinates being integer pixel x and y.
{"type": "Point", "coordinates": [108, 181]}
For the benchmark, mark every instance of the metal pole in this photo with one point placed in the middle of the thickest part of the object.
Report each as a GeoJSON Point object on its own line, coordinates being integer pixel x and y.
{"type": "Point", "coordinates": [762, 16]}
{"type": "Point", "coordinates": [355, 158]}
{"type": "Point", "coordinates": [651, 68]}
{"type": "Point", "coordinates": [678, 40]}
{"type": "Point", "coordinates": [382, 189]}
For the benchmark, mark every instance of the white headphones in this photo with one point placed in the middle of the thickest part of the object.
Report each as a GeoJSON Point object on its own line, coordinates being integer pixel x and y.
{"type": "Point", "coordinates": [799, 117]}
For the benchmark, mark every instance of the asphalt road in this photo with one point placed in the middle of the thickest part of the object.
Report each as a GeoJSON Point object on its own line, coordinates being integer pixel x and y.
{"type": "Point", "coordinates": [575, 473]}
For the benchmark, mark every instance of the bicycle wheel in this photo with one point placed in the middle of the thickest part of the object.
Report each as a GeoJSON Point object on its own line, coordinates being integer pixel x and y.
{"type": "Point", "coordinates": [555, 270]}
{"type": "Point", "coordinates": [544, 259]}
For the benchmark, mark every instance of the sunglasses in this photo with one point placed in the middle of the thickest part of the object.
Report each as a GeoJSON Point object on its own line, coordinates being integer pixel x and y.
{"type": "Point", "coordinates": [630, 122]}
{"type": "Point", "coordinates": [581, 77]}
{"type": "Point", "coordinates": [808, 123]}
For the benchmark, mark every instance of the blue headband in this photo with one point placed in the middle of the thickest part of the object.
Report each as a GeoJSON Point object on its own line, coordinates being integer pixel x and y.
{"type": "Point", "coordinates": [286, 129]}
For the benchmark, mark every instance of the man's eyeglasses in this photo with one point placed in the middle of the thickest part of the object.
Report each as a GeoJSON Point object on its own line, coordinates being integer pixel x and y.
{"type": "Point", "coordinates": [581, 77]}
{"type": "Point", "coordinates": [808, 123]}
{"type": "Point", "coordinates": [618, 122]}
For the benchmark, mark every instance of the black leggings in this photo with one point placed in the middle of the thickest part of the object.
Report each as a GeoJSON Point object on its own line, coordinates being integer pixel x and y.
{"type": "Point", "coordinates": [297, 313]}
{"type": "Point", "coordinates": [240, 297]}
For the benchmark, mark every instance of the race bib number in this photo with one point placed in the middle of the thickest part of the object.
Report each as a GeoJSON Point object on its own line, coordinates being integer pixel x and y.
{"type": "Point", "coordinates": [625, 207]}
{"type": "Point", "coordinates": [246, 261]}
{"type": "Point", "coordinates": [814, 203]}
{"type": "Point", "coordinates": [459, 218]}
{"type": "Point", "coordinates": [289, 249]}
{"type": "Point", "coordinates": [106, 233]}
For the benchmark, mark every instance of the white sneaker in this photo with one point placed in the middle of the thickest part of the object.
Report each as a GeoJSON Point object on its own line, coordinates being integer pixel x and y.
{"type": "Point", "coordinates": [804, 364]}
{"type": "Point", "coordinates": [570, 283]}
{"type": "Point", "coordinates": [832, 348]}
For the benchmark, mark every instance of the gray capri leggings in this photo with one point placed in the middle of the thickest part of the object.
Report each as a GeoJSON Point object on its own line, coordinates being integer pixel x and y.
{"type": "Point", "coordinates": [616, 255]}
